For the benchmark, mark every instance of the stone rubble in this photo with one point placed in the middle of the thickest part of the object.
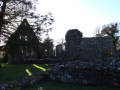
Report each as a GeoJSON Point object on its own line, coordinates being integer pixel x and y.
{"type": "Point", "coordinates": [27, 81]}
{"type": "Point", "coordinates": [86, 73]}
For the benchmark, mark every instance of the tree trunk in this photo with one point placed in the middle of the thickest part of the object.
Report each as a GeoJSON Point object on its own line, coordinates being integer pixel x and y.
{"type": "Point", "coordinates": [2, 15]}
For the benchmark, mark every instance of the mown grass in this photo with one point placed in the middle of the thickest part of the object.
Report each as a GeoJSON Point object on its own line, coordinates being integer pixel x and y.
{"type": "Point", "coordinates": [63, 86]}
{"type": "Point", "coordinates": [11, 72]}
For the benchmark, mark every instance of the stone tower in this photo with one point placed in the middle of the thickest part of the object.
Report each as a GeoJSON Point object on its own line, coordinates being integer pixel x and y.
{"type": "Point", "coordinates": [73, 38]}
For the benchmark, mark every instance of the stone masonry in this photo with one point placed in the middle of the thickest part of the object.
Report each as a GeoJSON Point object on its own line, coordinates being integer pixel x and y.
{"type": "Point", "coordinates": [92, 48]}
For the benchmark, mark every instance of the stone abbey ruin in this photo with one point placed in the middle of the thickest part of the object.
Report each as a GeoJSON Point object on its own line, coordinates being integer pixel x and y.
{"type": "Point", "coordinates": [85, 61]}
{"type": "Point", "coordinates": [94, 48]}
{"type": "Point", "coordinates": [75, 48]}
{"type": "Point", "coordinates": [23, 46]}
{"type": "Point", "coordinates": [91, 61]}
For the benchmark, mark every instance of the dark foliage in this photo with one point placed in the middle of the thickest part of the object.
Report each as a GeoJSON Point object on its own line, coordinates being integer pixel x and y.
{"type": "Point", "coordinates": [24, 43]}
{"type": "Point", "coordinates": [10, 14]}
{"type": "Point", "coordinates": [110, 30]}
{"type": "Point", "coordinates": [48, 46]}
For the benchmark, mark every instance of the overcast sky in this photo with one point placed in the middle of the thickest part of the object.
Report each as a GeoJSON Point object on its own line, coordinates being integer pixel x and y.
{"type": "Point", "coordinates": [84, 15]}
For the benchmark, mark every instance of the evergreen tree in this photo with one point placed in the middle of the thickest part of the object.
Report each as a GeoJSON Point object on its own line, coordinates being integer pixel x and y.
{"type": "Point", "coordinates": [48, 46]}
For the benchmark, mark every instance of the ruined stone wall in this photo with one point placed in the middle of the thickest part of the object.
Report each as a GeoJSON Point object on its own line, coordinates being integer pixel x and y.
{"type": "Point", "coordinates": [73, 39]}
{"type": "Point", "coordinates": [96, 47]}
{"type": "Point", "coordinates": [92, 48]}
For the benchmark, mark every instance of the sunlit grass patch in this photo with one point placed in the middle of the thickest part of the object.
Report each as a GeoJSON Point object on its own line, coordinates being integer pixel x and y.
{"type": "Point", "coordinates": [46, 64]}
{"type": "Point", "coordinates": [15, 71]}
{"type": "Point", "coordinates": [28, 72]}
{"type": "Point", "coordinates": [11, 72]}
{"type": "Point", "coordinates": [39, 67]}
{"type": "Point", "coordinates": [3, 64]}
{"type": "Point", "coordinates": [40, 88]}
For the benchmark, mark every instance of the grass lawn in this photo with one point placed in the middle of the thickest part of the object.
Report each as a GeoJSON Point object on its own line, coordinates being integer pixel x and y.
{"type": "Point", "coordinates": [63, 86]}
{"type": "Point", "coordinates": [14, 71]}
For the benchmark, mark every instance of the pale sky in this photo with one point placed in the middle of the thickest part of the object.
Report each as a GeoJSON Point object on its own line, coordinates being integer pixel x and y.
{"type": "Point", "coordinates": [84, 15]}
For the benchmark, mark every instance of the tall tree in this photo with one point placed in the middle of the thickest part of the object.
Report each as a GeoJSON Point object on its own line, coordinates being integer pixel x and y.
{"type": "Point", "coordinates": [110, 30]}
{"type": "Point", "coordinates": [43, 24]}
{"type": "Point", "coordinates": [11, 12]}
{"type": "Point", "coordinates": [48, 46]}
